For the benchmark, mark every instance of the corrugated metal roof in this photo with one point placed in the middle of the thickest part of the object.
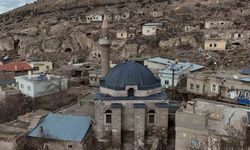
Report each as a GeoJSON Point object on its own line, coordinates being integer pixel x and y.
{"type": "Point", "coordinates": [16, 66]}
{"type": "Point", "coordinates": [130, 73]}
{"type": "Point", "coordinates": [245, 71]}
{"type": "Point", "coordinates": [62, 127]}
{"type": "Point", "coordinates": [245, 79]}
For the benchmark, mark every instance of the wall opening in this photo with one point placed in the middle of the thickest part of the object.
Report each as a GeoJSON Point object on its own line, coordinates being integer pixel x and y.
{"type": "Point", "coordinates": [67, 50]}
{"type": "Point", "coordinates": [131, 92]}
{"type": "Point", "coordinates": [16, 44]}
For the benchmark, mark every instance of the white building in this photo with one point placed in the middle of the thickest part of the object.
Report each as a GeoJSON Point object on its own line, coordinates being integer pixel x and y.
{"type": "Point", "coordinates": [167, 70]}
{"type": "Point", "coordinates": [40, 85]}
{"type": "Point", "coordinates": [151, 28]}
{"type": "Point", "coordinates": [93, 18]}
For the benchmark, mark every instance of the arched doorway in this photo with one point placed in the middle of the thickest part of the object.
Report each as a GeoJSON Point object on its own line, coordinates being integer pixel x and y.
{"type": "Point", "coordinates": [131, 92]}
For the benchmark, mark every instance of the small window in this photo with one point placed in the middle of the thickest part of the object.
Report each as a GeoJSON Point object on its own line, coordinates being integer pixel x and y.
{"type": "Point", "coordinates": [247, 94]}
{"type": "Point", "coordinates": [21, 85]}
{"type": "Point", "coordinates": [29, 88]}
{"type": "Point", "coordinates": [204, 87]}
{"type": "Point", "coordinates": [35, 68]}
{"type": "Point", "coordinates": [47, 67]}
{"type": "Point", "coordinates": [210, 45]}
{"type": "Point", "coordinates": [197, 87]}
{"type": "Point", "coordinates": [151, 117]}
{"type": "Point", "coordinates": [213, 88]}
{"type": "Point", "coordinates": [212, 23]}
{"type": "Point", "coordinates": [70, 146]}
{"type": "Point", "coordinates": [148, 31]}
{"type": "Point", "coordinates": [166, 82]}
{"type": "Point", "coordinates": [131, 92]}
{"type": "Point", "coordinates": [222, 23]}
{"type": "Point", "coordinates": [108, 117]}
{"type": "Point", "coordinates": [121, 34]}
{"type": "Point", "coordinates": [215, 45]}
{"type": "Point", "coordinates": [239, 35]}
{"type": "Point", "coordinates": [191, 86]}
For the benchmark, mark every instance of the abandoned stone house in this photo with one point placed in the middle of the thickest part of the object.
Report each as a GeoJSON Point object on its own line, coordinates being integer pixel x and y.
{"type": "Point", "coordinates": [122, 34]}
{"type": "Point", "coordinates": [232, 39]}
{"type": "Point", "coordinates": [151, 28]}
{"type": "Point", "coordinates": [204, 124]}
{"type": "Point", "coordinates": [156, 14]}
{"type": "Point", "coordinates": [228, 85]}
{"type": "Point", "coordinates": [191, 28]}
{"type": "Point", "coordinates": [130, 104]}
{"type": "Point", "coordinates": [56, 131]}
{"type": "Point", "coordinates": [215, 44]}
{"type": "Point", "coordinates": [93, 18]}
{"type": "Point", "coordinates": [122, 16]}
{"type": "Point", "coordinates": [217, 24]}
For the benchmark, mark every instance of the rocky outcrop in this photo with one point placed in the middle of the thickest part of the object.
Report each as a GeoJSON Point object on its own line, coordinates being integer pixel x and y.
{"type": "Point", "coordinates": [179, 41]}
{"type": "Point", "coordinates": [6, 43]}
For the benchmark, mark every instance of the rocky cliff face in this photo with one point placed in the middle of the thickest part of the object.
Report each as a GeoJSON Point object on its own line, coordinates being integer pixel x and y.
{"type": "Point", "coordinates": [59, 27]}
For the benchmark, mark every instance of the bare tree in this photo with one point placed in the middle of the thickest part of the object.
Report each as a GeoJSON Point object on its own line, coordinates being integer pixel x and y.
{"type": "Point", "coordinates": [237, 135]}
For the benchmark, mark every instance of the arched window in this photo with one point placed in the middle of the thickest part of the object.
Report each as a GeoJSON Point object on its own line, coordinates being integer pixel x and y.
{"type": "Point", "coordinates": [151, 116]}
{"type": "Point", "coordinates": [131, 92]}
{"type": "Point", "coordinates": [108, 117]}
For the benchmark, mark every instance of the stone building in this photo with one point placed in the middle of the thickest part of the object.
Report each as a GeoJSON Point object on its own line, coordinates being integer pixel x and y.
{"type": "Point", "coordinates": [207, 125]}
{"type": "Point", "coordinates": [217, 24]}
{"type": "Point", "coordinates": [215, 44]}
{"type": "Point", "coordinates": [231, 85]}
{"type": "Point", "coordinates": [130, 105]}
{"type": "Point", "coordinates": [59, 132]}
{"type": "Point", "coordinates": [151, 28]}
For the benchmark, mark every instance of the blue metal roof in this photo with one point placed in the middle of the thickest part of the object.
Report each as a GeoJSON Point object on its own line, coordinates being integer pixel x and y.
{"type": "Point", "coordinates": [130, 73]}
{"type": "Point", "coordinates": [248, 117]}
{"type": "Point", "coordinates": [62, 127]}
{"type": "Point", "coordinates": [139, 105]}
{"type": "Point", "coordinates": [246, 71]}
{"type": "Point", "coordinates": [245, 79]}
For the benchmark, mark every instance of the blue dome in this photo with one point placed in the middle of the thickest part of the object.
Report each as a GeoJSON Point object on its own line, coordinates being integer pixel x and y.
{"type": "Point", "coordinates": [130, 73]}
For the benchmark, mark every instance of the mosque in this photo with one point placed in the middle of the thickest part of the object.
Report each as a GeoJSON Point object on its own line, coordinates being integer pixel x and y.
{"type": "Point", "coordinates": [130, 103]}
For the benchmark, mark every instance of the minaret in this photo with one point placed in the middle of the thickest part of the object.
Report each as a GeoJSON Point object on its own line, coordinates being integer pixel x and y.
{"type": "Point", "coordinates": [105, 43]}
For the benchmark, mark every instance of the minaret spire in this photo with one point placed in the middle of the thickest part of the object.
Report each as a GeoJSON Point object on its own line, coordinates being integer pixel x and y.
{"type": "Point", "coordinates": [105, 43]}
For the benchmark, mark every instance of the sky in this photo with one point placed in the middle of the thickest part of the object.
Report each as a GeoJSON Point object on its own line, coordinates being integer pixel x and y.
{"type": "Point", "coordinates": [6, 5]}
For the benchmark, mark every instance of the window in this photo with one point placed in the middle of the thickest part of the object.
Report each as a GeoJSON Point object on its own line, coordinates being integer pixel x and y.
{"type": "Point", "coordinates": [166, 82]}
{"type": "Point", "coordinates": [191, 86]}
{"type": "Point", "coordinates": [70, 146]}
{"type": "Point", "coordinates": [213, 88]}
{"type": "Point", "coordinates": [215, 45]}
{"type": "Point", "coordinates": [35, 68]}
{"type": "Point", "coordinates": [211, 23]}
{"type": "Point", "coordinates": [131, 92]}
{"type": "Point", "coordinates": [21, 86]}
{"type": "Point", "coordinates": [151, 116]}
{"type": "Point", "coordinates": [148, 31]}
{"type": "Point", "coordinates": [47, 67]}
{"type": "Point", "coordinates": [210, 45]}
{"type": "Point", "coordinates": [204, 88]}
{"type": "Point", "coordinates": [121, 34]}
{"type": "Point", "coordinates": [239, 35]}
{"type": "Point", "coordinates": [108, 117]}
{"type": "Point", "coordinates": [197, 87]}
{"type": "Point", "coordinates": [247, 94]}
{"type": "Point", "coordinates": [29, 88]}
{"type": "Point", "coordinates": [222, 23]}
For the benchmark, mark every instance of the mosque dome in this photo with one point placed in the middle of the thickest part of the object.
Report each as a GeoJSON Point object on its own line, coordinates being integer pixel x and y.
{"type": "Point", "coordinates": [130, 73]}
